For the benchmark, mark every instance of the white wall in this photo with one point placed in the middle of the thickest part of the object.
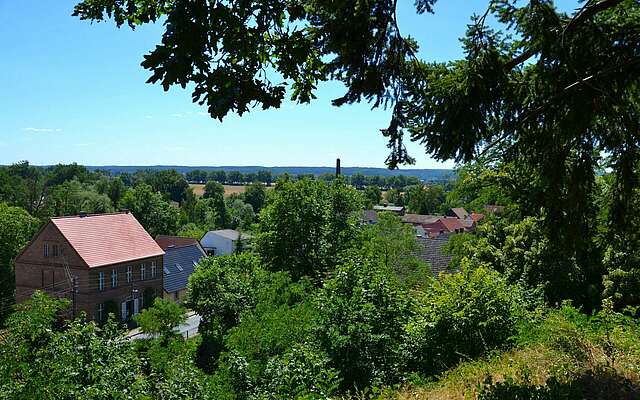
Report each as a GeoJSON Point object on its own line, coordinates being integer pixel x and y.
{"type": "Point", "coordinates": [221, 244]}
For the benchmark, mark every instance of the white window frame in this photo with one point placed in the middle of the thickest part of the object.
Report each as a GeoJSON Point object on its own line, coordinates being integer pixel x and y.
{"type": "Point", "coordinates": [101, 281]}
{"type": "Point", "coordinates": [114, 278]}
{"type": "Point", "coordinates": [46, 250]}
{"type": "Point", "coordinates": [129, 274]}
{"type": "Point", "coordinates": [142, 272]}
{"type": "Point", "coordinates": [153, 269]}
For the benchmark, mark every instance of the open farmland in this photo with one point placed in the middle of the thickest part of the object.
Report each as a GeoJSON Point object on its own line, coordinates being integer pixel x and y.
{"type": "Point", "coordinates": [198, 189]}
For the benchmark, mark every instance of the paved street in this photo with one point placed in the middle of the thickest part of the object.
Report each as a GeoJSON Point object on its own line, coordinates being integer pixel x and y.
{"type": "Point", "coordinates": [188, 329]}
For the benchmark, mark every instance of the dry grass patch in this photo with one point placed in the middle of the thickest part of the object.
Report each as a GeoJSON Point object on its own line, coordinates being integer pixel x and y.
{"type": "Point", "coordinates": [198, 189]}
{"type": "Point", "coordinates": [537, 364]}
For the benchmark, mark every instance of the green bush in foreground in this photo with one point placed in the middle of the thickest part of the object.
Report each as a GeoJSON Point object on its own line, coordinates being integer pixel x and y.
{"type": "Point", "coordinates": [362, 311]}
{"type": "Point", "coordinates": [461, 317]}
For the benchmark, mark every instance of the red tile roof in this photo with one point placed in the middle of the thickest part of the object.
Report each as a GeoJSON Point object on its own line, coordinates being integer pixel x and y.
{"type": "Point", "coordinates": [164, 241]}
{"type": "Point", "coordinates": [476, 216]}
{"type": "Point", "coordinates": [105, 239]}
{"type": "Point", "coordinates": [452, 224]}
{"type": "Point", "coordinates": [419, 219]}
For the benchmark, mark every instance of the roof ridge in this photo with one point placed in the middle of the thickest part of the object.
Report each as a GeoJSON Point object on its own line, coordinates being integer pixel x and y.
{"type": "Point", "coordinates": [182, 246]}
{"type": "Point", "coordinates": [90, 215]}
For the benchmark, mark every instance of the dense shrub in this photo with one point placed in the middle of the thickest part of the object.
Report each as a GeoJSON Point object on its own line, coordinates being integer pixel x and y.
{"type": "Point", "coordinates": [302, 372]}
{"type": "Point", "coordinates": [362, 311]}
{"type": "Point", "coordinates": [220, 288]}
{"type": "Point", "coordinates": [281, 318]}
{"type": "Point", "coordinates": [161, 319]}
{"type": "Point", "coordinates": [464, 315]}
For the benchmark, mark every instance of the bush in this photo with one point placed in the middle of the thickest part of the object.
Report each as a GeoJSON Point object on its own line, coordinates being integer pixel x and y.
{"type": "Point", "coordinates": [281, 319]}
{"type": "Point", "coordinates": [301, 372]}
{"type": "Point", "coordinates": [361, 317]}
{"type": "Point", "coordinates": [463, 316]}
{"type": "Point", "coordinates": [219, 289]}
{"type": "Point", "coordinates": [161, 319]}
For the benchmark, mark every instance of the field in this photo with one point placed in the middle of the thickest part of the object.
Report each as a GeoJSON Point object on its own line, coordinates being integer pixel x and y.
{"type": "Point", "coordinates": [198, 189]}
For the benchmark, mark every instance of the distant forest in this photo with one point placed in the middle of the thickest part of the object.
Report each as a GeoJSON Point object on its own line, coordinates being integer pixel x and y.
{"type": "Point", "coordinates": [427, 175]}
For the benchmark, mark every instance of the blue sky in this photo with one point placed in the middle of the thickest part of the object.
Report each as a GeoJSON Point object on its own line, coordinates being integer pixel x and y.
{"type": "Point", "coordinates": [75, 92]}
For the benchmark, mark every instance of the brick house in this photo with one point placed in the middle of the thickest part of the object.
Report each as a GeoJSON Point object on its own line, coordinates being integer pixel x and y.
{"type": "Point", "coordinates": [111, 260]}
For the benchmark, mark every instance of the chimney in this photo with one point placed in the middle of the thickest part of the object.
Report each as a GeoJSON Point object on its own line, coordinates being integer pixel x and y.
{"type": "Point", "coordinates": [125, 211]}
{"type": "Point", "coordinates": [337, 167]}
{"type": "Point", "coordinates": [82, 214]}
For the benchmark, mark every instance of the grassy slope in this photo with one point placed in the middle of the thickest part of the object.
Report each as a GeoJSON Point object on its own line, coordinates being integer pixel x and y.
{"type": "Point", "coordinates": [557, 359]}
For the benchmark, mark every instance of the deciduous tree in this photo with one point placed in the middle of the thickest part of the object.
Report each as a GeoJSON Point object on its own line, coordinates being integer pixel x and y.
{"type": "Point", "coordinates": [17, 227]}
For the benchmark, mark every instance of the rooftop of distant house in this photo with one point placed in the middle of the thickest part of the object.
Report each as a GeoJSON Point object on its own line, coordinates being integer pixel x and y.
{"type": "Point", "coordinates": [179, 263]}
{"type": "Point", "coordinates": [230, 234]}
{"type": "Point", "coordinates": [432, 251]}
{"type": "Point", "coordinates": [165, 241]}
{"type": "Point", "coordinates": [389, 207]}
{"type": "Point", "coordinates": [419, 219]}
{"type": "Point", "coordinates": [458, 212]}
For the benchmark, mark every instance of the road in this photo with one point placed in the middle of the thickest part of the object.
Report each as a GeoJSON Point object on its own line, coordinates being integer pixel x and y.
{"type": "Point", "coordinates": [188, 329]}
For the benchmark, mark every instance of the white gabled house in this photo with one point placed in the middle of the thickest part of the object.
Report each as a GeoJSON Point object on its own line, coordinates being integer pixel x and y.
{"type": "Point", "coordinates": [222, 242]}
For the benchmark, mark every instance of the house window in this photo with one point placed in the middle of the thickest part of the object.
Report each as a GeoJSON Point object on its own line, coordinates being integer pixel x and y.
{"type": "Point", "coordinates": [46, 250]}
{"type": "Point", "coordinates": [99, 312]}
{"type": "Point", "coordinates": [129, 273]}
{"type": "Point", "coordinates": [179, 267]}
{"type": "Point", "coordinates": [114, 278]}
{"type": "Point", "coordinates": [55, 250]}
{"type": "Point", "coordinates": [166, 270]}
{"type": "Point", "coordinates": [142, 275]}
{"type": "Point", "coordinates": [153, 269]}
{"type": "Point", "coordinates": [100, 281]}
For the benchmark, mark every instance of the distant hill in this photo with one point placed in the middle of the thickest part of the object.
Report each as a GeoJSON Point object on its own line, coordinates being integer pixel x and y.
{"type": "Point", "coordinates": [422, 174]}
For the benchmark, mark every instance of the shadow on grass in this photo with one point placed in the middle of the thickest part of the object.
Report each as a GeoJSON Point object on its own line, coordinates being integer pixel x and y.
{"type": "Point", "coordinates": [594, 385]}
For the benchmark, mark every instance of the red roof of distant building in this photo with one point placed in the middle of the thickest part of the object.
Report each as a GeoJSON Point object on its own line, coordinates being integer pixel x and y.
{"type": "Point", "coordinates": [105, 239]}
{"type": "Point", "coordinates": [435, 228]}
{"type": "Point", "coordinates": [452, 224]}
{"type": "Point", "coordinates": [165, 241]}
{"type": "Point", "coordinates": [477, 216]}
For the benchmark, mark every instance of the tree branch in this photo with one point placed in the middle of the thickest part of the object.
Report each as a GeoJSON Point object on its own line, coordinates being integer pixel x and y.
{"type": "Point", "coordinates": [580, 17]}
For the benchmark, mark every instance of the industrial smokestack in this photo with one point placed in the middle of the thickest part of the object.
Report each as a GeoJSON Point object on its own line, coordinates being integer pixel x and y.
{"type": "Point", "coordinates": [337, 167]}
